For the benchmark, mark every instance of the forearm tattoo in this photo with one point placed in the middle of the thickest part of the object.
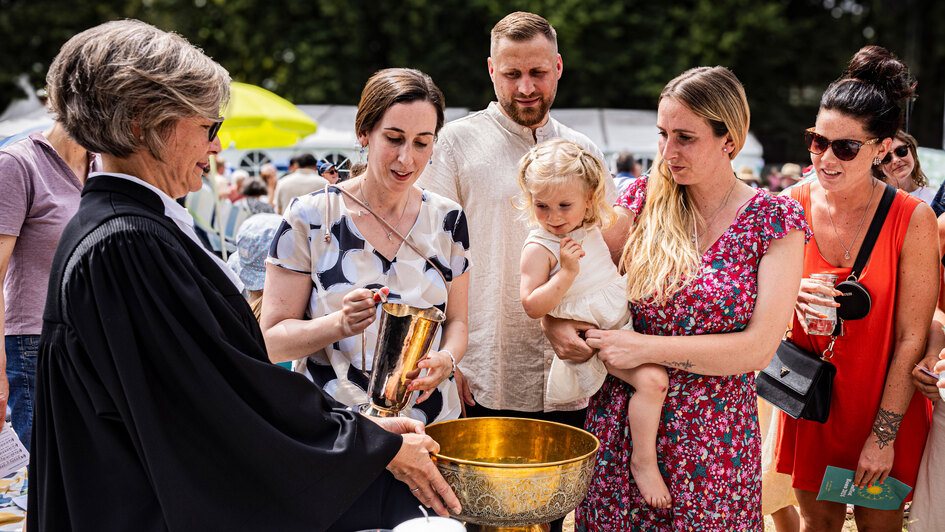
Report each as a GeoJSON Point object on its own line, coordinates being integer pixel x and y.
{"type": "Point", "coordinates": [687, 365]}
{"type": "Point", "coordinates": [886, 427]}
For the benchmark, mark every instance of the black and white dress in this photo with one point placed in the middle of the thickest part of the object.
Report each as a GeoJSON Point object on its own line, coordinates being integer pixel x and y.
{"type": "Point", "coordinates": [348, 261]}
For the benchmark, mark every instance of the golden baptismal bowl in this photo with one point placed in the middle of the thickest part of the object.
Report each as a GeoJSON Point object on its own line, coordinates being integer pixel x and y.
{"type": "Point", "coordinates": [512, 472]}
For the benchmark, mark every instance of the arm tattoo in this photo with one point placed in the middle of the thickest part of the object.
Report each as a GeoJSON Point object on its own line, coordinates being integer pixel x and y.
{"type": "Point", "coordinates": [886, 427]}
{"type": "Point", "coordinates": [687, 365]}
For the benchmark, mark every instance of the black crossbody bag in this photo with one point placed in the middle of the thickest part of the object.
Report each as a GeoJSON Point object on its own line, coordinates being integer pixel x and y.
{"type": "Point", "coordinates": [799, 382]}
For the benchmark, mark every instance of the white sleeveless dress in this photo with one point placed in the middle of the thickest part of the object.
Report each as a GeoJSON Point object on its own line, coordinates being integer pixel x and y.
{"type": "Point", "coordinates": [597, 296]}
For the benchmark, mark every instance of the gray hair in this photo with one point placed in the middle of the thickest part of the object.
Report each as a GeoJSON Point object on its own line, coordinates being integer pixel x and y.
{"type": "Point", "coordinates": [118, 75]}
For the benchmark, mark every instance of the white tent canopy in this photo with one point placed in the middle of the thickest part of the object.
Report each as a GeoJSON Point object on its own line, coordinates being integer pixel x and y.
{"type": "Point", "coordinates": [613, 130]}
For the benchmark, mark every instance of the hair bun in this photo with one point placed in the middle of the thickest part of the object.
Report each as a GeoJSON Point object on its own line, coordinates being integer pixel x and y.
{"type": "Point", "coordinates": [875, 65]}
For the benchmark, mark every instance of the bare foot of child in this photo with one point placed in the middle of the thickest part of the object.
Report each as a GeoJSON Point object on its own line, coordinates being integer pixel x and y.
{"type": "Point", "coordinates": [651, 485]}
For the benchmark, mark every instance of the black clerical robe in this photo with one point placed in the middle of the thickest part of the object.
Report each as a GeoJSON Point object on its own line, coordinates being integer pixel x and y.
{"type": "Point", "coordinates": [156, 405]}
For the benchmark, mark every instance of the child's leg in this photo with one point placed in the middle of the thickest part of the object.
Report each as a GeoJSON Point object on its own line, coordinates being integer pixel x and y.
{"type": "Point", "coordinates": [643, 415]}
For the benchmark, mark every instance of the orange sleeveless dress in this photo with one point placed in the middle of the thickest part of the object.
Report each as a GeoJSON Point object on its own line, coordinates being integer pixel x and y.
{"type": "Point", "coordinates": [862, 356]}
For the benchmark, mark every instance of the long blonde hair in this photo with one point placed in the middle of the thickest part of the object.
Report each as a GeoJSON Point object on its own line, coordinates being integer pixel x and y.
{"type": "Point", "coordinates": [660, 256]}
{"type": "Point", "coordinates": [557, 162]}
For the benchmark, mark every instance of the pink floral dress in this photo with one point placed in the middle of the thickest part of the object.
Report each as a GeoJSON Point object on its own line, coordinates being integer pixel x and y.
{"type": "Point", "coordinates": [708, 445]}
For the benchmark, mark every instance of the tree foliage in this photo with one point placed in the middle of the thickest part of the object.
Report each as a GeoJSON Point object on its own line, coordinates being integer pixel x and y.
{"type": "Point", "coordinates": [617, 53]}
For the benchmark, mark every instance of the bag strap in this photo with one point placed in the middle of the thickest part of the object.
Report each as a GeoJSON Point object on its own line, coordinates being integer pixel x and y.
{"type": "Point", "coordinates": [826, 354]}
{"type": "Point", "coordinates": [879, 218]}
{"type": "Point", "coordinates": [386, 225]}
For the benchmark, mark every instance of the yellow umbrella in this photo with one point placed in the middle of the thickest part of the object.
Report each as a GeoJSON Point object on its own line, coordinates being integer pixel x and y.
{"type": "Point", "coordinates": [256, 118]}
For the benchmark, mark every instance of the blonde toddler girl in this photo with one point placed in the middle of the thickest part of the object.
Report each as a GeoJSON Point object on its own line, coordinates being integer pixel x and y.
{"type": "Point", "coordinates": [563, 191]}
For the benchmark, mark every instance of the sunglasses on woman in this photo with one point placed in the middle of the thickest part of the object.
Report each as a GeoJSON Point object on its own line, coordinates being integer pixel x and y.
{"type": "Point", "coordinates": [214, 129]}
{"type": "Point", "coordinates": [900, 152]}
{"type": "Point", "coordinates": [843, 149]}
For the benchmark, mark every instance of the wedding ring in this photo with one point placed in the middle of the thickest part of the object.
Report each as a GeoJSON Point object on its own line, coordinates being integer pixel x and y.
{"type": "Point", "coordinates": [414, 490]}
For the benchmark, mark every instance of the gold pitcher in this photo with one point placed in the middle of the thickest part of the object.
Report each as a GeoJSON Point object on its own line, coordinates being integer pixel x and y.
{"type": "Point", "coordinates": [404, 337]}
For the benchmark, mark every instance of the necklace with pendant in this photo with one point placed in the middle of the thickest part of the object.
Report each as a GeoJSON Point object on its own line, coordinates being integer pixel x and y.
{"type": "Point", "coordinates": [846, 250]}
{"type": "Point", "coordinates": [368, 205]}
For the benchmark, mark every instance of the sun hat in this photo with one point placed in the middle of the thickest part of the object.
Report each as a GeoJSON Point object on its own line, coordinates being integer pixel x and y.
{"type": "Point", "coordinates": [252, 241]}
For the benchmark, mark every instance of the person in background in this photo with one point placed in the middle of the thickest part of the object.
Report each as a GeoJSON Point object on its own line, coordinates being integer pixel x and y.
{"type": "Point", "coordinates": [790, 175]}
{"type": "Point", "coordinates": [628, 169]}
{"type": "Point", "coordinates": [328, 171]}
{"type": "Point", "coordinates": [41, 179]}
{"type": "Point", "coordinates": [253, 197]}
{"type": "Point", "coordinates": [938, 202]}
{"type": "Point", "coordinates": [902, 170]}
{"type": "Point", "coordinates": [878, 421]}
{"type": "Point", "coordinates": [222, 178]}
{"type": "Point", "coordinates": [152, 367]}
{"type": "Point", "coordinates": [749, 177]}
{"type": "Point", "coordinates": [772, 179]}
{"type": "Point", "coordinates": [357, 169]}
{"type": "Point", "coordinates": [927, 512]}
{"type": "Point", "coordinates": [303, 181]}
{"type": "Point", "coordinates": [382, 231]}
{"type": "Point", "coordinates": [293, 165]}
{"type": "Point", "coordinates": [270, 177]}
{"type": "Point", "coordinates": [238, 179]}
{"type": "Point", "coordinates": [249, 262]}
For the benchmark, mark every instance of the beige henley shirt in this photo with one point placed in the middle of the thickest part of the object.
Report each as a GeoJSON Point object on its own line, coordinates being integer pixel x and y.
{"type": "Point", "coordinates": [475, 163]}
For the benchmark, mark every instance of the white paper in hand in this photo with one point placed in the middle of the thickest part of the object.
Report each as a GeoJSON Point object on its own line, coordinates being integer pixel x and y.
{"type": "Point", "coordinates": [13, 455]}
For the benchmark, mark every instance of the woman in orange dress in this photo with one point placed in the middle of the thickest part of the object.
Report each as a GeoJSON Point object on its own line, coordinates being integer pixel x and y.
{"type": "Point", "coordinates": [878, 421]}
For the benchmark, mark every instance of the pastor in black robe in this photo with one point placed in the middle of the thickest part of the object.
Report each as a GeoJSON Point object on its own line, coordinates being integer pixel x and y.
{"type": "Point", "coordinates": [157, 407]}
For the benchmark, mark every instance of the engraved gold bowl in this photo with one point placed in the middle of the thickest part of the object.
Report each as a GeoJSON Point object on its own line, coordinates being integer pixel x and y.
{"type": "Point", "coordinates": [512, 472]}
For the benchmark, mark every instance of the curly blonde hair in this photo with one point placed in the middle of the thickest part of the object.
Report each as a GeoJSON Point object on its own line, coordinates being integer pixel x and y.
{"type": "Point", "coordinates": [558, 162]}
{"type": "Point", "coordinates": [660, 256]}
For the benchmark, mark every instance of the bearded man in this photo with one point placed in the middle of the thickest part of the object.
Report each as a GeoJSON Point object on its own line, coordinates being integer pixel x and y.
{"type": "Point", "coordinates": [475, 163]}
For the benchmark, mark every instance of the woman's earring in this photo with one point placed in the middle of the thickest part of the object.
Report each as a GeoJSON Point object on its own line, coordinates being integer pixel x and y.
{"type": "Point", "coordinates": [431, 161]}
{"type": "Point", "coordinates": [876, 161]}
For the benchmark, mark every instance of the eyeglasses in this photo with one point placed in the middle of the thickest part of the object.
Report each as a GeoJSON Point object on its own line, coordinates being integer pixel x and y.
{"type": "Point", "coordinates": [214, 129]}
{"type": "Point", "coordinates": [843, 149]}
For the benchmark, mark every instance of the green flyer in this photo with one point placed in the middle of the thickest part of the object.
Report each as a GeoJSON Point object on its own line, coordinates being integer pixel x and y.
{"type": "Point", "coordinates": [838, 487]}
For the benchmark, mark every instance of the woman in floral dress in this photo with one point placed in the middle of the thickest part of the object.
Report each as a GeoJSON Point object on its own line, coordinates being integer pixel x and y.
{"type": "Point", "coordinates": [713, 266]}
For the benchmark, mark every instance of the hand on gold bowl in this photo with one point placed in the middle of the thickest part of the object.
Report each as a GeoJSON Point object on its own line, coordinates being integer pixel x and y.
{"type": "Point", "coordinates": [511, 472]}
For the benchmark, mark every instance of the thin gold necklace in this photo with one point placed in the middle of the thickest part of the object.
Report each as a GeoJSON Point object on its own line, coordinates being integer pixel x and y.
{"type": "Point", "coordinates": [695, 236]}
{"type": "Point", "coordinates": [368, 205]}
{"type": "Point", "coordinates": [846, 251]}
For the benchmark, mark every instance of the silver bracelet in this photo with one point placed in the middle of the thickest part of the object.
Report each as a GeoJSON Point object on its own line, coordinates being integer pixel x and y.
{"type": "Point", "coordinates": [452, 360]}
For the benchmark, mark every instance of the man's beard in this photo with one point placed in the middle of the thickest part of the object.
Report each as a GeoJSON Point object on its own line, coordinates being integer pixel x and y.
{"type": "Point", "coordinates": [527, 116]}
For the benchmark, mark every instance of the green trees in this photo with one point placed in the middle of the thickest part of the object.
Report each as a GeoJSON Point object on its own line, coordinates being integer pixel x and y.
{"type": "Point", "coordinates": [617, 53]}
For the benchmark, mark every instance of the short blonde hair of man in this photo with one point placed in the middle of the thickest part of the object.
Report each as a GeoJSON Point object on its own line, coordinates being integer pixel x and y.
{"type": "Point", "coordinates": [522, 26]}
{"type": "Point", "coordinates": [556, 163]}
{"type": "Point", "coordinates": [661, 256]}
{"type": "Point", "coordinates": [122, 75]}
